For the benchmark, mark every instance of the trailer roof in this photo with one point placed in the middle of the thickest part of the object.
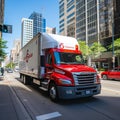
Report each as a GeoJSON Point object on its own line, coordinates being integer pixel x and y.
{"type": "Point", "coordinates": [55, 41]}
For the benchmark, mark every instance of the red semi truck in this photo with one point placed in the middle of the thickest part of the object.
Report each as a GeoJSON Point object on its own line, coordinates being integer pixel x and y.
{"type": "Point", "coordinates": [56, 65]}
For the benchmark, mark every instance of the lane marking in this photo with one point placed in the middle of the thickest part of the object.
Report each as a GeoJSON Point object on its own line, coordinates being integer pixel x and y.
{"type": "Point", "coordinates": [48, 116]}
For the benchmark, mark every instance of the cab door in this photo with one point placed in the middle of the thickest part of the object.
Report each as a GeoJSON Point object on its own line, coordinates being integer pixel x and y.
{"type": "Point", "coordinates": [49, 65]}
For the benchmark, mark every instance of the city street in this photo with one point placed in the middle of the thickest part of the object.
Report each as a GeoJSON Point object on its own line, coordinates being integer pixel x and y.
{"type": "Point", "coordinates": [30, 103]}
{"type": "Point", "coordinates": [60, 60]}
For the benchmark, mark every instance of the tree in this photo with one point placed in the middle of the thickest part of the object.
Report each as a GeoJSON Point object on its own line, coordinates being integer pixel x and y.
{"type": "Point", "coordinates": [84, 48]}
{"type": "Point", "coordinates": [116, 48]}
{"type": "Point", "coordinates": [97, 49]}
{"type": "Point", "coordinates": [88, 51]}
{"type": "Point", "coordinates": [2, 49]}
{"type": "Point", "coordinates": [10, 65]}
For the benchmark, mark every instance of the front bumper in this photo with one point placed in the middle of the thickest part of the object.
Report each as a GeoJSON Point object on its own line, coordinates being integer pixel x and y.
{"type": "Point", "coordinates": [78, 91]}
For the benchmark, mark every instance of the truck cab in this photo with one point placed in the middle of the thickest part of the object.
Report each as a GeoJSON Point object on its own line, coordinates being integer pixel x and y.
{"type": "Point", "coordinates": [68, 76]}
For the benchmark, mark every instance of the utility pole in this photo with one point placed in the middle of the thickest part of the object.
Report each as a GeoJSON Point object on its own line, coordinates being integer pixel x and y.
{"type": "Point", "coordinates": [113, 56]}
{"type": "Point", "coordinates": [88, 57]}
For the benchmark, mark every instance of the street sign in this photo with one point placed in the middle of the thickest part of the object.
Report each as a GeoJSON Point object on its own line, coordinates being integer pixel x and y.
{"type": "Point", "coordinates": [6, 28]}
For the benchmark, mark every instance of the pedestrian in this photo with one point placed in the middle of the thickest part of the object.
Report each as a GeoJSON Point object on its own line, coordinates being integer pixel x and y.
{"type": "Point", "coordinates": [2, 71]}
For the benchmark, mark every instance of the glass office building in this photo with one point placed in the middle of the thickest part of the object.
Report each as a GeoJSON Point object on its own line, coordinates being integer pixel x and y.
{"type": "Point", "coordinates": [109, 20]}
{"type": "Point", "coordinates": [39, 23]}
{"type": "Point", "coordinates": [86, 20]}
{"type": "Point", "coordinates": [90, 20]}
{"type": "Point", "coordinates": [27, 31]}
{"type": "Point", "coordinates": [95, 21]}
{"type": "Point", "coordinates": [67, 17]}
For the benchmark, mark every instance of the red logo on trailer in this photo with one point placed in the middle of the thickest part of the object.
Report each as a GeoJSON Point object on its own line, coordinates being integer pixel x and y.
{"type": "Point", "coordinates": [28, 56]}
{"type": "Point", "coordinates": [61, 45]}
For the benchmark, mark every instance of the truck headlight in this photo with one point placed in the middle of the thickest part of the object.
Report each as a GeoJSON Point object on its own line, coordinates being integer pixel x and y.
{"type": "Point", "coordinates": [65, 81]}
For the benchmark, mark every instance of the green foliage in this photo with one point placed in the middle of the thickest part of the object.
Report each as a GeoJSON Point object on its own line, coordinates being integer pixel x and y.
{"type": "Point", "coordinates": [10, 65]}
{"type": "Point", "coordinates": [97, 49]}
{"type": "Point", "coordinates": [116, 47]}
{"type": "Point", "coordinates": [101, 69]}
{"type": "Point", "coordinates": [84, 48]}
{"type": "Point", "coordinates": [2, 49]}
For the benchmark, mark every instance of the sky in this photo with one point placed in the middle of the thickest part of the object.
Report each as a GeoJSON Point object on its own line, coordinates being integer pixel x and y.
{"type": "Point", "coordinates": [15, 10]}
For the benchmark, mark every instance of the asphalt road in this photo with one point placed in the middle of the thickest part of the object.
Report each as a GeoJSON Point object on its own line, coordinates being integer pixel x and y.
{"type": "Point", "coordinates": [36, 105]}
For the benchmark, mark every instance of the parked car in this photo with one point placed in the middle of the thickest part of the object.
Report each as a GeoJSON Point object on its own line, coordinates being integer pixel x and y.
{"type": "Point", "coordinates": [9, 70]}
{"type": "Point", "coordinates": [16, 69]}
{"type": "Point", "coordinates": [111, 74]}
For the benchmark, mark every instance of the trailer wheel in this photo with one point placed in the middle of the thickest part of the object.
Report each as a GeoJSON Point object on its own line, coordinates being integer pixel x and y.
{"type": "Point", "coordinates": [21, 77]}
{"type": "Point", "coordinates": [24, 80]}
{"type": "Point", "coordinates": [53, 92]}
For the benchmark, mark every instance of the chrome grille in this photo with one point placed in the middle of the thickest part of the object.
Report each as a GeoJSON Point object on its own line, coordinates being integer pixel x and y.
{"type": "Point", "coordinates": [84, 78]}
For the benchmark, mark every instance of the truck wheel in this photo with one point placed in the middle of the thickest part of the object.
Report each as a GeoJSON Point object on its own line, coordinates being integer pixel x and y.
{"type": "Point", "coordinates": [53, 92]}
{"type": "Point", "coordinates": [24, 80]}
{"type": "Point", "coordinates": [104, 77]}
{"type": "Point", "coordinates": [21, 77]}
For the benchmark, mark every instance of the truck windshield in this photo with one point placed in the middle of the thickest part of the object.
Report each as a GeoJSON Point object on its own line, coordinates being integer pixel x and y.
{"type": "Point", "coordinates": [68, 58]}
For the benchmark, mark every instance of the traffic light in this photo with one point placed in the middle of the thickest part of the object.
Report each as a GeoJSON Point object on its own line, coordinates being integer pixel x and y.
{"type": "Point", "coordinates": [6, 28]}
{"type": "Point", "coordinates": [0, 27]}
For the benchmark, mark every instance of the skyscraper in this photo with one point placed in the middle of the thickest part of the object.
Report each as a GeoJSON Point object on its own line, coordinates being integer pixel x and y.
{"type": "Point", "coordinates": [90, 20]}
{"type": "Point", "coordinates": [86, 20]}
{"type": "Point", "coordinates": [95, 21]}
{"type": "Point", "coordinates": [78, 18]}
{"type": "Point", "coordinates": [51, 30]}
{"type": "Point", "coordinates": [27, 31]}
{"type": "Point", "coordinates": [67, 17]}
{"type": "Point", "coordinates": [39, 23]}
{"type": "Point", "coordinates": [109, 20]}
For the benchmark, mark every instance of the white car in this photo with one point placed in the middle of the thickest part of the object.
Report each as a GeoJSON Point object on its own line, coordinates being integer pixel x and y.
{"type": "Point", "coordinates": [9, 70]}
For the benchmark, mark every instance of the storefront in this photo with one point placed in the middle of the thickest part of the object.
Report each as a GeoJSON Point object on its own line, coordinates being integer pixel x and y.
{"type": "Point", "coordinates": [104, 61]}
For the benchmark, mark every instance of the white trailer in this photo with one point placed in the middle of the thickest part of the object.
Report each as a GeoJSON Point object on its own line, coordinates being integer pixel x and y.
{"type": "Point", "coordinates": [31, 55]}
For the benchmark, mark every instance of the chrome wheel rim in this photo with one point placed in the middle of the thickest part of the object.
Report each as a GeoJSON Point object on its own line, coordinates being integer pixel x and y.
{"type": "Point", "coordinates": [53, 92]}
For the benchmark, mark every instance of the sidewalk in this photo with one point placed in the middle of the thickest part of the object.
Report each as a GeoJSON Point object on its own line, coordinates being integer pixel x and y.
{"type": "Point", "coordinates": [10, 107]}
{"type": "Point", "coordinates": [7, 111]}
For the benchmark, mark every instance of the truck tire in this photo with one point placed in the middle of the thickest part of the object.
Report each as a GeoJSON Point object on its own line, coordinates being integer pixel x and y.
{"type": "Point", "coordinates": [21, 77]}
{"type": "Point", "coordinates": [53, 92]}
{"type": "Point", "coordinates": [104, 77]}
{"type": "Point", "coordinates": [24, 80]}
